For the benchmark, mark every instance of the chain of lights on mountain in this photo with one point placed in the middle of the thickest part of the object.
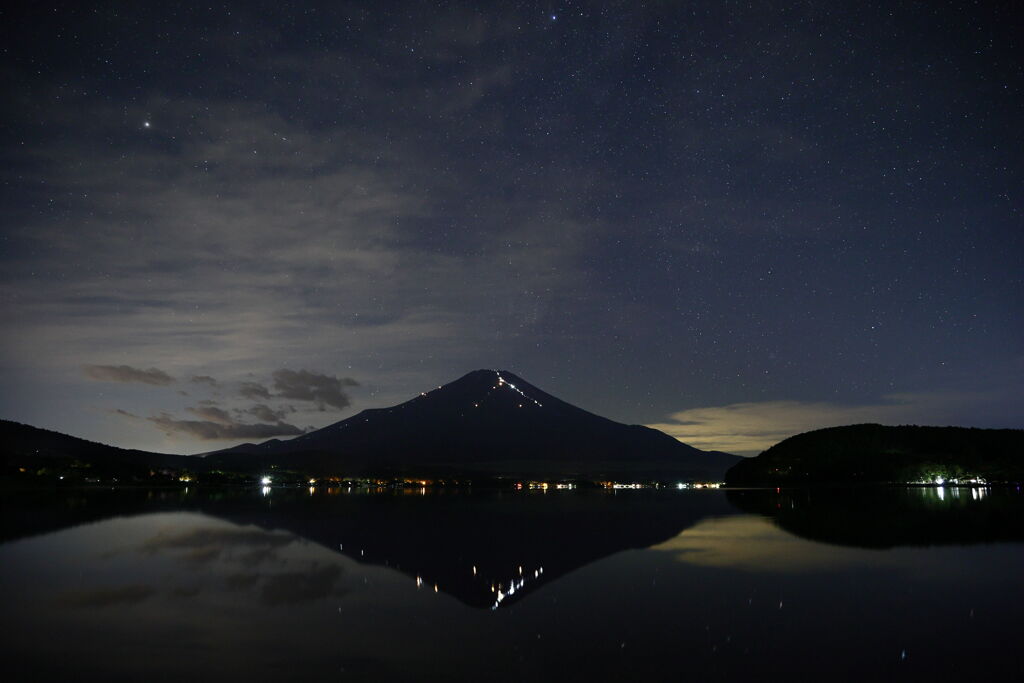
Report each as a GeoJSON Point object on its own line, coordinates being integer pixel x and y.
{"type": "Point", "coordinates": [502, 382]}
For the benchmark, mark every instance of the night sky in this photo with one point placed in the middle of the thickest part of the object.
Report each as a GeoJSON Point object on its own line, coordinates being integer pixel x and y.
{"type": "Point", "coordinates": [222, 223]}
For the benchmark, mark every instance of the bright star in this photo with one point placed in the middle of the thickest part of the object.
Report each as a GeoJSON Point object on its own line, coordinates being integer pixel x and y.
{"type": "Point", "coordinates": [145, 124]}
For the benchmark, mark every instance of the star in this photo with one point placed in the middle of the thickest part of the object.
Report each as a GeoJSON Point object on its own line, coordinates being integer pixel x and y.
{"type": "Point", "coordinates": [146, 124]}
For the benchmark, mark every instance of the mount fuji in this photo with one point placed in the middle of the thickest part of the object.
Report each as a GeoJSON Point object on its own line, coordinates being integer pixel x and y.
{"type": "Point", "coordinates": [486, 422]}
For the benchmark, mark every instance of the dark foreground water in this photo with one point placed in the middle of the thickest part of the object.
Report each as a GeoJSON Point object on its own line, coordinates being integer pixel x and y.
{"type": "Point", "coordinates": [919, 584]}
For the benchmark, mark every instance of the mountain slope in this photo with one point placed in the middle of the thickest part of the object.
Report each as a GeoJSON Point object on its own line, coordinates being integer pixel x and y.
{"type": "Point", "coordinates": [486, 421]}
{"type": "Point", "coordinates": [22, 445]}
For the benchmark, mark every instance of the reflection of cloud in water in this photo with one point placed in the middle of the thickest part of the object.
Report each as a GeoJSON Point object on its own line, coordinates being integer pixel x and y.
{"type": "Point", "coordinates": [753, 543]}
{"type": "Point", "coordinates": [240, 581]}
{"type": "Point", "coordinates": [319, 581]}
{"type": "Point", "coordinates": [209, 537]}
{"type": "Point", "coordinates": [105, 597]}
{"type": "Point", "coordinates": [291, 587]}
{"type": "Point", "coordinates": [185, 591]}
{"type": "Point", "coordinates": [259, 551]}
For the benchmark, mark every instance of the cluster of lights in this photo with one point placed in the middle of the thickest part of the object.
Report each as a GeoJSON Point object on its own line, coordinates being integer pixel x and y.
{"type": "Point", "coordinates": [502, 382]}
{"type": "Point", "coordinates": [544, 486]}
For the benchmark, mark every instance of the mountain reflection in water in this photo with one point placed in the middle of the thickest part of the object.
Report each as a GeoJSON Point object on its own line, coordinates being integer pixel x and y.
{"type": "Point", "coordinates": [487, 549]}
{"type": "Point", "coordinates": [230, 585]}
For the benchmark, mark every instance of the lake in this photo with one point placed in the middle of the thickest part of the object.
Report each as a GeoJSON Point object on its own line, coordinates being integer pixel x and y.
{"type": "Point", "coordinates": [297, 584]}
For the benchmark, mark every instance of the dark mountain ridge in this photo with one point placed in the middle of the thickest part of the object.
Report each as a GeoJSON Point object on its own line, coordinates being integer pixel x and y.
{"type": "Point", "coordinates": [23, 445]}
{"type": "Point", "coordinates": [487, 421]}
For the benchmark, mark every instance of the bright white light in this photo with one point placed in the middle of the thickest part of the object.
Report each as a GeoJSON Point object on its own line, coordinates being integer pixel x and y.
{"type": "Point", "coordinates": [145, 124]}
{"type": "Point", "coordinates": [940, 481]}
{"type": "Point", "coordinates": [265, 481]}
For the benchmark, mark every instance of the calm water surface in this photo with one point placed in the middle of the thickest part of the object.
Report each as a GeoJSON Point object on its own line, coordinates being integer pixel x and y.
{"type": "Point", "coordinates": [918, 584]}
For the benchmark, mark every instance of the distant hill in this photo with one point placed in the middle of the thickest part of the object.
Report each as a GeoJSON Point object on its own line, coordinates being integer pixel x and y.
{"type": "Point", "coordinates": [25, 446]}
{"type": "Point", "coordinates": [486, 422]}
{"type": "Point", "coordinates": [872, 453]}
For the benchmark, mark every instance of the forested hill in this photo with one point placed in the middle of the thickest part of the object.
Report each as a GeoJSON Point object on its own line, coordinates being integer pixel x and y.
{"type": "Point", "coordinates": [869, 453]}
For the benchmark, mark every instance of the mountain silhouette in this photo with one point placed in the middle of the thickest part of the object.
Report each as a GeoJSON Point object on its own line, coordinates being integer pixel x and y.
{"type": "Point", "coordinates": [486, 422]}
{"type": "Point", "coordinates": [27, 447]}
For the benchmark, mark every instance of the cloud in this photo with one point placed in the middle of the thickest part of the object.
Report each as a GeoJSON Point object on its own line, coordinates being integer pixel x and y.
{"type": "Point", "coordinates": [265, 413]}
{"type": "Point", "coordinates": [749, 428]}
{"type": "Point", "coordinates": [213, 414]}
{"type": "Point", "coordinates": [323, 390]}
{"type": "Point", "coordinates": [106, 597]}
{"type": "Point", "coordinates": [127, 374]}
{"type": "Point", "coordinates": [253, 390]}
{"type": "Point", "coordinates": [204, 379]}
{"type": "Point", "coordinates": [208, 430]}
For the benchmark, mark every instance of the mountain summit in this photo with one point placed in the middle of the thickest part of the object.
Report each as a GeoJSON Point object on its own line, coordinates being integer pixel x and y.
{"type": "Point", "coordinates": [486, 422]}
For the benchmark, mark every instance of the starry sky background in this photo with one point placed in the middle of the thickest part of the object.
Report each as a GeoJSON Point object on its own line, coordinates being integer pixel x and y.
{"type": "Point", "coordinates": [735, 222]}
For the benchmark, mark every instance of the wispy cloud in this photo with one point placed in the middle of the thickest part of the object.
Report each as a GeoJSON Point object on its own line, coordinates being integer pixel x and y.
{"type": "Point", "coordinates": [106, 597]}
{"type": "Point", "coordinates": [253, 390]}
{"type": "Point", "coordinates": [127, 374]}
{"type": "Point", "coordinates": [265, 413]}
{"type": "Point", "coordinates": [209, 430]}
{"type": "Point", "coordinates": [212, 414]}
{"type": "Point", "coordinates": [323, 390]}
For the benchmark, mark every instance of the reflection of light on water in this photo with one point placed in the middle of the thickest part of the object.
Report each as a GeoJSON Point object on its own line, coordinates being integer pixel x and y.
{"type": "Point", "coordinates": [513, 586]}
{"type": "Point", "coordinates": [754, 543]}
{"type": "Point", "coordinates": [953, 492]}
{"type": "Point", "coordinates": [265, 490]}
